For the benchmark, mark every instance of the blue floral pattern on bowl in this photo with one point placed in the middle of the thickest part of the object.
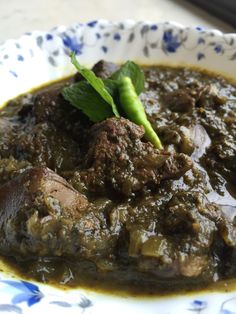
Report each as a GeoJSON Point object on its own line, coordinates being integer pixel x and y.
{"type": "Point", "coordinates": [29, 293]}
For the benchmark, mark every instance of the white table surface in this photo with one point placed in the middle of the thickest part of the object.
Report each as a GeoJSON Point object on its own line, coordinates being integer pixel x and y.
{"type": "Point", "coordinates": [19, 16]}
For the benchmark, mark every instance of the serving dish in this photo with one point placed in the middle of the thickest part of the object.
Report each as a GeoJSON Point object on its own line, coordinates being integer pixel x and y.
{"type": "Point", "coordinates": [41, 57]}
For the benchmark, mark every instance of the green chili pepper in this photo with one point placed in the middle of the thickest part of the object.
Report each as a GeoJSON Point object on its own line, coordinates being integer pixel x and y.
{"type": "Point", "coordinates": [134, 110]}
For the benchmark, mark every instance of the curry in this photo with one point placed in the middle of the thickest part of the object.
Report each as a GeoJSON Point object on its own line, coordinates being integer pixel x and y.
{"type": "Point", "coordinates": [97, 205]}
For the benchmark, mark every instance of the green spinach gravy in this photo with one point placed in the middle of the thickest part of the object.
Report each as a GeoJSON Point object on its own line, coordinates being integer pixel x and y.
{"type": "Point", "coordinates": [96, 205]}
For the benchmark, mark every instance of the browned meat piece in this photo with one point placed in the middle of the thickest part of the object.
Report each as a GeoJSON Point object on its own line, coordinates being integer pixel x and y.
{"type": "Point", "coordinates": [40, 144]}
{"type": "Point", "coordinates": [43, 144]}
{"type": "Point", "coordinates": [185, 99]}
{"type": "Point", "coordinates": [221, 158]}
{"type": "Point", "coordinates": [102, 69]}
{"type": "Point", "coordinates": [38, 215]}
{"type": "Point", "coordinates": [175, 166]}
{"type": "Point", "coordinates": [180, 100]}
{"type": "Point", "coordinates": [50, 106]}
{"type": "Point", "coordinates": [118, 160]}
{"type": "Point", "coordinates": [209, 97]}
{"type": "Point", "coordinates": [225, 151]}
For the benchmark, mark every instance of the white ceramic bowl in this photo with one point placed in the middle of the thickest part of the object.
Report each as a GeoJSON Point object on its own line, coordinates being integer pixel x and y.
{"type": "Point", "coordinates": [40, 57]}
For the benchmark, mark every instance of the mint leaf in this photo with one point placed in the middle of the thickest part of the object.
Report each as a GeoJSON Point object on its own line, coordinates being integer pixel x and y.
{"type": "Point", "coordinates": [84, 97]}
{"type": "Point", "coordinates": [96, 83]}
{"type": "Point", "coordinates": [133, 71]}
{"type": "Point", "coordinates": [111, 87]}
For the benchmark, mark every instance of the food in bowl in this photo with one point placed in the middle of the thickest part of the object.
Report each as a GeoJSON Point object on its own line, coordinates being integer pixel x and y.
{"type": "Point", "coordinates": [97, 203]}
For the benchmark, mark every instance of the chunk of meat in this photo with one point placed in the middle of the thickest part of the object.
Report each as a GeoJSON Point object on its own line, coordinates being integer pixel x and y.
{"type": "Point", "coordinates": [118, 160]}
{"type": "Point", "coordinates": [50, 106]}
{"type": "Point", "coordinates": [175, 166]}
{"type": "Point", "coordinates": [221, 158]}
{"type": "Point", "coordinates": [102, 69]}
{"type": "Point", "coordinates": [185, 99]}
{"type": "Point", "coordinates": [225, 151]}
{"type": "Point", "coordinates": [43, 144]}
{"type": "Point", "coordinates": [38, 215]}
{"type": "Point", "coordinates": [180, 100]}
{"type": "Point", "coordinates": [209, 97]}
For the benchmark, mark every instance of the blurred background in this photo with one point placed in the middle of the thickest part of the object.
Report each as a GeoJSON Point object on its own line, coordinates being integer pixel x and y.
{"type": "Point", "coordinates": [19, 16]}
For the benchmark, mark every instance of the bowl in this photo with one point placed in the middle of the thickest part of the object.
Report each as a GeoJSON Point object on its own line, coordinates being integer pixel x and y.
{"type": "Point", "coordinates": [38, 58]}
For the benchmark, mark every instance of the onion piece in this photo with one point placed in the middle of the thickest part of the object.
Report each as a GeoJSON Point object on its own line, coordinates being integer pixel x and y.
{"type": "Point", "coordinates": [201, 141]}
{"type": "Point", "coordinates": [229, 211]}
